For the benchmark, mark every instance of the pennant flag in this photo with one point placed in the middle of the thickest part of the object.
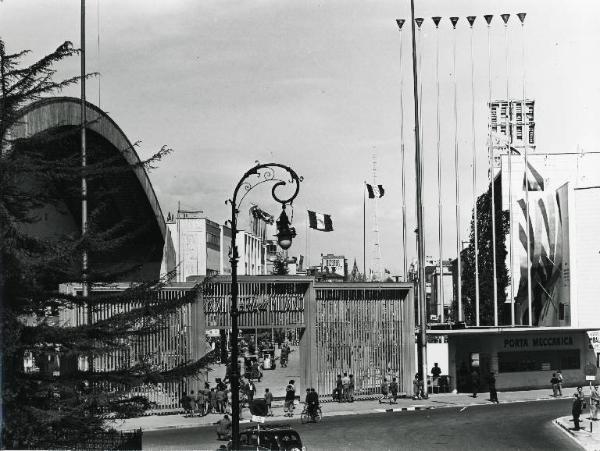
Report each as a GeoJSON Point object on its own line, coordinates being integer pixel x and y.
{"type": "Point", "coordinates": [532, 179]}
{"type": "Point", "coordinates": [471, 20]}
{"type": "Point", "coordinates": [376, 191]}
{"type": "Point", "coordinates": [419, 21]}
{"type": "Point", "coordinates": [505, 18]}
{"type": "Point", "coordinates": [436, 20]}
{"type": "Point", "coordinates": [522, 17]}
{"type": "Point", "coordinates": [319, 221]}
{"type": "Point", "coordinates": [400, 23]}
{"type": "Point", "coordinates": [488, 18]}
{"type": "Point", "coordinates": [454, 21]}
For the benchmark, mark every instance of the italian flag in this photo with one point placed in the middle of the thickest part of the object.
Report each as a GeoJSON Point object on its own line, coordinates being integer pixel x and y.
{"type": "Point", "coordinates": [320, 221]}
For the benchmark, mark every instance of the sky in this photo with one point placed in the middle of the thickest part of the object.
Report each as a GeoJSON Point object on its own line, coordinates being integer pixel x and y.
{"type": "Point", "coordinates": [322, 86]}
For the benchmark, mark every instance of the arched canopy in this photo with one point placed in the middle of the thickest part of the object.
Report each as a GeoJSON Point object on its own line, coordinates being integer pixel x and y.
{"type": "Point", "coordinates": [132, 197]}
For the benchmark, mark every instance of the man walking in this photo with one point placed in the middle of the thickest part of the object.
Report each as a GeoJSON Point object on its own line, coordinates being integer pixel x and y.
{"type": "Point", "coordinates": [268, 402]}
{"type": "Point", "coordinates": [475, 382]}
{"type": "Point", "coordinates": [384, 390]}
{"type": "Point", "coordinates": [492, 384]}
{"type": "Point", "coordinates": [290, 396]}
{"type": "Point", "coordinates": [394, 391]}
{"type": "Point", "coordinates": [346, 387]}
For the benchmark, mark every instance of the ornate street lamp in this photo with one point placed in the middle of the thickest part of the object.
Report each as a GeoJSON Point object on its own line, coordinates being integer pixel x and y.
{"type": "Point", "coordinates": [259, 174]}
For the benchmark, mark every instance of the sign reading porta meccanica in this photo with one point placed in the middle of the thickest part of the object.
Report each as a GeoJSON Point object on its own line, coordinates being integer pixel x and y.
{"type": "Point", "coordinates": [538, 342]}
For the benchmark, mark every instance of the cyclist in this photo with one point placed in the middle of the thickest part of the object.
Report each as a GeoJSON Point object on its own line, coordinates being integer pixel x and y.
{"type": "Point", "coordinates": [312, 402]}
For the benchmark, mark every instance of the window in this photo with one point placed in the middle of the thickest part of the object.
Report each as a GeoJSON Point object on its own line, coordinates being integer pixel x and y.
{"type": "Point", "coordinates": [512, 362]}
{"type": "Point", "coordinates": [519, 132]}
{"type": "Point", "coordinates": [531, 135]}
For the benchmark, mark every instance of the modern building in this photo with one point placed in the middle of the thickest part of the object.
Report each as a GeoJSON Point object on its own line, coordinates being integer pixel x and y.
{"type": "Point", "coordinates": [202, 247]}
{"type": "Point", "coordinates": [334, 267]}
{"type": "Point", "coordinates": [552, 296]}
{"type": "Point", "coordinates": [197, 243]}
{"type": "Point", "coordinates": [508, 124]}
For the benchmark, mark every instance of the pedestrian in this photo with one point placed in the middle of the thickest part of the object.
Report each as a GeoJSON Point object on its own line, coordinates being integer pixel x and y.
{"type": "Point", "coordinates": [417, 387]}
{"type": "Point", "coordinates": [224, 428]}
{"type": "Point", "coordinates": [394, 391]}
{"type": "Point", "coordinates": [339, 387]}
{"type": "Point", "coordinates": [213, 401]}
{"type": "Point", "coordinates": [346, 387]}
{"type": "Point", "coordinates": [436, 371]}
{"type": "Point", "coordinates": [221, 400]}
{"type": "Point", "coordinates": [492, 385]}
{"type": "Point", "coordinates": [192, 403]}
{"type": "Point", "coordinates": [251, 391]}
{"type": "Point", "coordinates": [560, 378]}
{"type": "Point", "coordinates": [385, 388]}
{"type": "Point", "coordinates": [578, 406]}
{"type": "Point", "coordinates": [268, 402]}
{"type": "Point", "coordinates": [290, 397]}
{"type": "Point", "coordinates": [200, 402]}
{"type": "Point", "coordinates": [475, 382]}
{"type": "Point", "coordinates": [595, 403]}
{"type": "Point", "coordinates": [185, 403]}
{"type": "Point", "coordinates": [554, 382]}
{"type": "Point", "coordinates": [351, 387]}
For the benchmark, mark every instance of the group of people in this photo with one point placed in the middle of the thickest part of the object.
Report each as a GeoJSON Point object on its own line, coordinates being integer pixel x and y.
{"type": "Point", "coordinates": [579, 404]}
{"type": "Point", "coordinates": [557, 383]}
{"type": "Point", "coordinates": [344, 388]}
{"type": "Point", "coordinates": [215, 399]}
{"type": "Point", "coordinates": [389, 391]}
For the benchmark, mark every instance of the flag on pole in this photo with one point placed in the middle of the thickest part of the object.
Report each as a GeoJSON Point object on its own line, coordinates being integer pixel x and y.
{"type": "Point", "coordinates": [319, 221]}
{"type": "Point", "coordinates": [375, 191]}
{"type": "Point", "coordinates": [532, 179]}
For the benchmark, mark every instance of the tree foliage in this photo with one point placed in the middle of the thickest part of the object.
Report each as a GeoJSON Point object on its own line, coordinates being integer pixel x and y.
{"type": "Point", "coordinates": [485, 262]}
{"type": "Point", "coordinates": [59, 405]}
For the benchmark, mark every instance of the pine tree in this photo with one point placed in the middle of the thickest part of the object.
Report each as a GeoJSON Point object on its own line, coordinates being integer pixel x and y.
{"type": "Point", "coordinates": [64, 408]}
{"type": "Point", "coordinates": [485, 260]}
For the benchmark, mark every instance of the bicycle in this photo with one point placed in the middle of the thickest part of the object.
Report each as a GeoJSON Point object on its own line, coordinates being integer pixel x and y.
{"type": "Point", "coordinates": [314, 417]}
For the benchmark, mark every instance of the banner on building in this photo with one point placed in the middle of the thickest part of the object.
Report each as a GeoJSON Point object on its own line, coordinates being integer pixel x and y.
{"type": "Point", "coordinates": [594, 336]}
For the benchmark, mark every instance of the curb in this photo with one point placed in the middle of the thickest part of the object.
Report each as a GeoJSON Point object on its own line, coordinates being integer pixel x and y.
{"type": "Point", "coordinates": [365, 412]}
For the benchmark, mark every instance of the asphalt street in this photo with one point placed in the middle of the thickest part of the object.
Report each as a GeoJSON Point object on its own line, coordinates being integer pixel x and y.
{"type": "Point", "coordinates": [516, 426]}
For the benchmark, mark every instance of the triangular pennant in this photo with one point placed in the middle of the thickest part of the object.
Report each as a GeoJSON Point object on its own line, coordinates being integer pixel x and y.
{"type": "Point", "coordinates": [419, 21]}
{"type": "Point", "coordinates": [400, 22]}
{"type": "Point", "coordinates": [488, 18]}
{"type": "Point", "coordinates": [505, 18]}
{"type": "Point", "coordinates": [521, 16]}
{"type": "Point", "coordinates": [436, 20]}
{"type": "Point", "coordinates": [454, 21]}
{"type": "Point", "coordinates": [471, 20]}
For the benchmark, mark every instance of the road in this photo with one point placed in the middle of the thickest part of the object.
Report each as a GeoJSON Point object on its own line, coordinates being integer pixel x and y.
{"type": "Point", "coordinates": [517, 426]}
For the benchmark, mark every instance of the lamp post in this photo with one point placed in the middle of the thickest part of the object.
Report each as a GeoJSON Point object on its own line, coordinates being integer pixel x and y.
{"type": "Point", "coordinates": [259, 174]}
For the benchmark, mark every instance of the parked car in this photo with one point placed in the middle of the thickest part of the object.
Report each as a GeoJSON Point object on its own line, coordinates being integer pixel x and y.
{"type": "Point", "coordinates": [277, 437]}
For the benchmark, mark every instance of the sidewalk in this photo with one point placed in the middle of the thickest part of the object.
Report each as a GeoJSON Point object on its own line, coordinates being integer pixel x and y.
{"type": "Point", "coordinates": [588, 437]}
{"type": "Point", "coordinates": [177, 421]}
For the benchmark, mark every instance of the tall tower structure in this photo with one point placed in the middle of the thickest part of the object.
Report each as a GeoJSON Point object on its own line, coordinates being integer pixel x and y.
{"type": "Point", "coordinates": [509, 126]}
{"type": "Point", "coordinates": [376, 263]}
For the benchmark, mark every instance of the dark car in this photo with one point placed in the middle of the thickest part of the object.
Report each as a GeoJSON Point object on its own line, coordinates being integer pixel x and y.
{"type": "Point", "coordinates": [277, 437]}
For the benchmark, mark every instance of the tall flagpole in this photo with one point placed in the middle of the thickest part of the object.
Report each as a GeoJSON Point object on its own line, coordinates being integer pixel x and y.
{"type": "Point", "coordinates": [454, 21]}
{"type": "Point", "coordinates": [422, 337]}
{"type": "Point", "coordinates": [505, 18]}
{"type": "Point", "coordinates": [436, 21]}
{"type": "Point", "coordinates": [488, 19]}
{"type": "Point", "coordinates": [521, 17]}
{"type": "Point", "coordinates": [364, 231]}
{"type": "Point", "coordinates": [84, 209]}
{"type": "Point", "coordinates": [471, 20]}
{"type": "Point", "coordinates": [400, 23]}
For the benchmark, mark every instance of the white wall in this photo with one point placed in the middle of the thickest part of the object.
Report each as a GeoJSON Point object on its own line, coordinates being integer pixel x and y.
{"type": "Point", "coordinates": [586, 251]}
